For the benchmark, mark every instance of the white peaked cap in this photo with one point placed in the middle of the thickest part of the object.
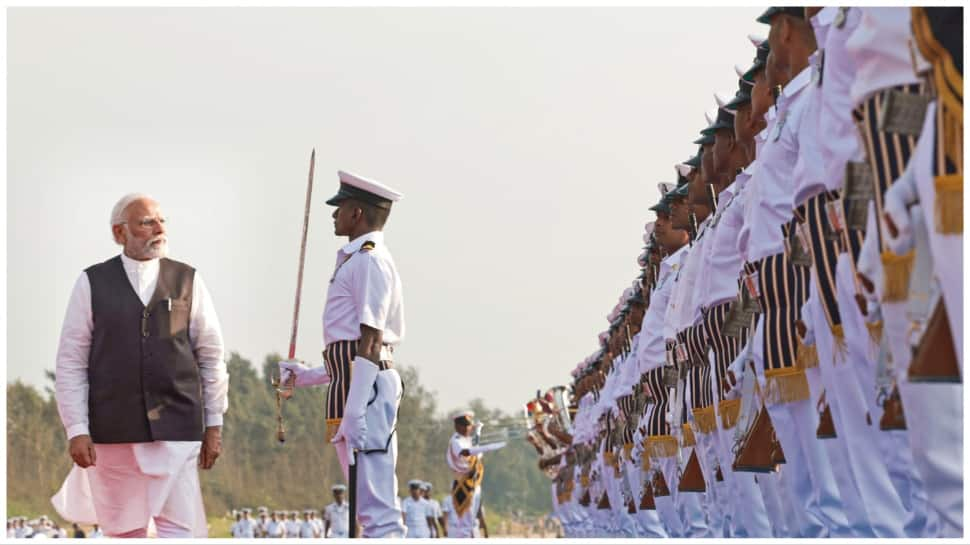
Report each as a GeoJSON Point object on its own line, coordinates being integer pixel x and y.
{"type": "Point", "coordinates": [711, 116]}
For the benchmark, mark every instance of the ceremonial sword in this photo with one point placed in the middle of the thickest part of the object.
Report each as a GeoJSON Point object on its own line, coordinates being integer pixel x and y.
{"type": "Point", "coordinates": [285, 390]}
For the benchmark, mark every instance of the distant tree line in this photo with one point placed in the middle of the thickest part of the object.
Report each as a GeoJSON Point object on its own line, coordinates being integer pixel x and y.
{"type": "Point", "coordinates": [255, 469]}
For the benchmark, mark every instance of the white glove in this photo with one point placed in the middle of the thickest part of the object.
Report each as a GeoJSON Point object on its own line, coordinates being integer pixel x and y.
{"type": "Point", "coordinates": [353, 427]}
{"type": "Point", "coordinates": [305, 376]}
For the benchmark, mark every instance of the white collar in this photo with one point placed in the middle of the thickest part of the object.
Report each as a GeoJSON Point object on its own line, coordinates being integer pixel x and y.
{"type": "Point", "coordinates": [826, 15]}
{"type": "Point", "coordinates": [674, 258]}
{"type": "Point", "coordinates": [377, 237]}
{"type": "Point", "coordinates": [798, 82]}
{"type": "Point", "coordinates": [134, 265]}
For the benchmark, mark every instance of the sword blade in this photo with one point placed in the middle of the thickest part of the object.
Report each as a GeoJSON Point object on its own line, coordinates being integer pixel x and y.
{"type": "Point", "coordinates": [299, 274]}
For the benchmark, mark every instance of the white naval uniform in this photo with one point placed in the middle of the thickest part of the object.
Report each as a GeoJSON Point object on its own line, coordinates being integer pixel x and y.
{"type": "Point", "coordinates": [339, 518]}
{"type": "Point", "coordinates": [366, 290]}
{"type": "Point", "coordinates": [451, 518]}
{"type": "Point", "coordinates": [467, 522]}
{"type": "Point", "coordinates": [247, 528]}
{"type": "Point", "coordinates": [434, 508]}
{"type": "Point", "coordinates": [937, 407]}
{"type": "Point", "coordinates": [275, 528]}
{"type": "Point", "coordinates": [134, 482]}
{"type": "Point", "coordinates": [307, 529]}
{"type": "Point", "coordinates": [292, 528]}
{"type": "Point", "coordinates": [416, 513]}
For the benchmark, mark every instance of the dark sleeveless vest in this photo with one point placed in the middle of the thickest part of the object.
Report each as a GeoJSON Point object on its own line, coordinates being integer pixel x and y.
{"type": "Point", "coordinates": [143, 377]}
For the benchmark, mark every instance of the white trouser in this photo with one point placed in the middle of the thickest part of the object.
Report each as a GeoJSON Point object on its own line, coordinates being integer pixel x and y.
{"type": "Point", "coordinates": [776, 506]}
{"type": "Point", "coordinates": [688, 504]}
{"type": "Point", "coordinates": [133, 483]}
{"type": "Point", "coordinates": [666, 508]}
{"type": "Point", "coordinates": [746, 505]}
{"type": "Point", "coordinates": [378, 505]}
{"type": "Point", "coordinates": [648, 523]}
{"type": "Point", "coordinates": [934, 416]}
{"type": "Point", "coordinates": [807, 473]}
{"type": "Point", "coordinates": [716, 495]}
{"type": "Point", "coordinates": [467, 522]}
{"type": "Point", "coordinates": [870, 496]}
{"type": "Point", "coordinates": [947, 250]}
{"type": "Point", "coordinates": [894, 446]}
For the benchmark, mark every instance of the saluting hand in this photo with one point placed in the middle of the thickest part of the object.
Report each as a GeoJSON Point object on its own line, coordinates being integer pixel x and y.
{"type": "Point", "coordinates": [81, 449]}
{"type": "Point", "coordinates": [211, 447]}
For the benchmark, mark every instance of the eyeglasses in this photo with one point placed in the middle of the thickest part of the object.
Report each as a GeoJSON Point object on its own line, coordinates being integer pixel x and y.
{"type": "Point", "coordinates": [149, 223]}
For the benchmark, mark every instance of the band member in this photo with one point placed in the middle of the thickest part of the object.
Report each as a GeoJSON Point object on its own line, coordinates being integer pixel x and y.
{"type": "Point", "coordinates": [466, 463]}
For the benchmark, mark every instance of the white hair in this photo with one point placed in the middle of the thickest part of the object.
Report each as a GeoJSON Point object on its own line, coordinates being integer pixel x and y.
{"type": "Point", "coordinates": [118, 212]}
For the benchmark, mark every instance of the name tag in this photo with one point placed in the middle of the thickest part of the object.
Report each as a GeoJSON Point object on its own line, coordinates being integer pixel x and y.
{"type": "Point", "coordinates": [776, 132]}
{"type": "Point", "coordinates": [681, 351]}
{"type": "Point", "coordinates": [835, 213]}
{"type": "Point", "coordinates": [802, 234]}
{"type": "Point", "coordinates": [751, 282]}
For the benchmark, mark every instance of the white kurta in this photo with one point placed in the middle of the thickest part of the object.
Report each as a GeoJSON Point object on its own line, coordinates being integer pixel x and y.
{"type": "Point", "coordinates": [133, 482]}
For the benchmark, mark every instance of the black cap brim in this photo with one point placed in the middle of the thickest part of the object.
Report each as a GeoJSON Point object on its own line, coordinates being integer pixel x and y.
{"type": "Point", "coordinates": [348, 191]}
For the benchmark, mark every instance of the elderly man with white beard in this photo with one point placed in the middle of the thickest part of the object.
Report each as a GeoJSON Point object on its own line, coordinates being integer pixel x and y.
{"type": "Point", "coordinates": [141, 385]}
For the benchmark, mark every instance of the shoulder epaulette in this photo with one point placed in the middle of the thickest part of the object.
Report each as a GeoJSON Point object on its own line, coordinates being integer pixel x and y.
{"type": "Point", "coordinates": [368, 246]}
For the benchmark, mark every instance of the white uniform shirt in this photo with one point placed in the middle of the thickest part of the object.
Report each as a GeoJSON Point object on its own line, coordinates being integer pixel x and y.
{"type": "Point", "coordinates": [75, 345]}
{"type": "Point", "coordinates": [434, 508]}
{"type": "Point", "coordinates": [880, 48]}
{"type": "Point", "coordinates": [651, 350]}
{"type": "Point", "coordinates": [96, 534]}
{"type": "Point", "coordinates": [365, 289]}
{"type": "Point", "coordinates": [679, 295]}
{"type": "Point", "coordinates": [808, 169]}
{"type": "Point", "coordinates": [772, 186]}
{"type": "Point", "coordinates": [307, 529]}
{"type": "Point", "coordinates": [317, 525]}
{"type": "Point", "coordinates": [451, 518]}
{"type": "Point", "coordinates": [416, 513]}
{"type": "Point", "coordinates": [339, 518]}
{"type": "Point", "coordinates": [275, 528]}
{"type": "Point", "coordinates": [690, 312]}
{"type": "Point", "coordinates": [292, 528]}
{"type": "Point", "coordinates": [841, 142]}
{"type": "Point", "coordinates": [722, 262]}
{"type": "Point", "coordinates": [247, 528]}
{"type": "Point", "coordinates": [459, 464]}
{"type": "Point", "coordinates": [236, 529]}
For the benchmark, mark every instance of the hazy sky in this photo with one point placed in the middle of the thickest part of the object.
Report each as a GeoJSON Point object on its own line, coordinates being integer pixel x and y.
{"type": "Point", "coordinates": [528, 143]}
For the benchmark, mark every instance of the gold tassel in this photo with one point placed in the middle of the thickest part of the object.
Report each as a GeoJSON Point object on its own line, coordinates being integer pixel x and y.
{"type": "Point", "coordinates": [627, 449]}
{"type": "Point", "coordinates": [662, 446]}
{"type": "Point", "coordinates": [786, 385]}
{"type": "Point", "coordinates": [332, 425]}
{"type": "Point", "coordinates": [584, 481]}
{"type": "Point", "coordinates": [875, 331]}
{"type": "Point", "coordinates": [705, 419]}
{"type": "Point", "coordinates": [609, 458]}
{"type": "Point", "coordinates": [729, 409]}
{"type": "Point", "coordinates": [838, 336]}
{"type": "Point", "coordinates": [689, 439]}
{"type": "Point", "coordinates": [896, 271]}
{"type": "Point", "coordinates": [645, 462]}
{"type": "Point", "coordinates": [807, 356]}
{"type": "Point", "coordinates": [949, 204]}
